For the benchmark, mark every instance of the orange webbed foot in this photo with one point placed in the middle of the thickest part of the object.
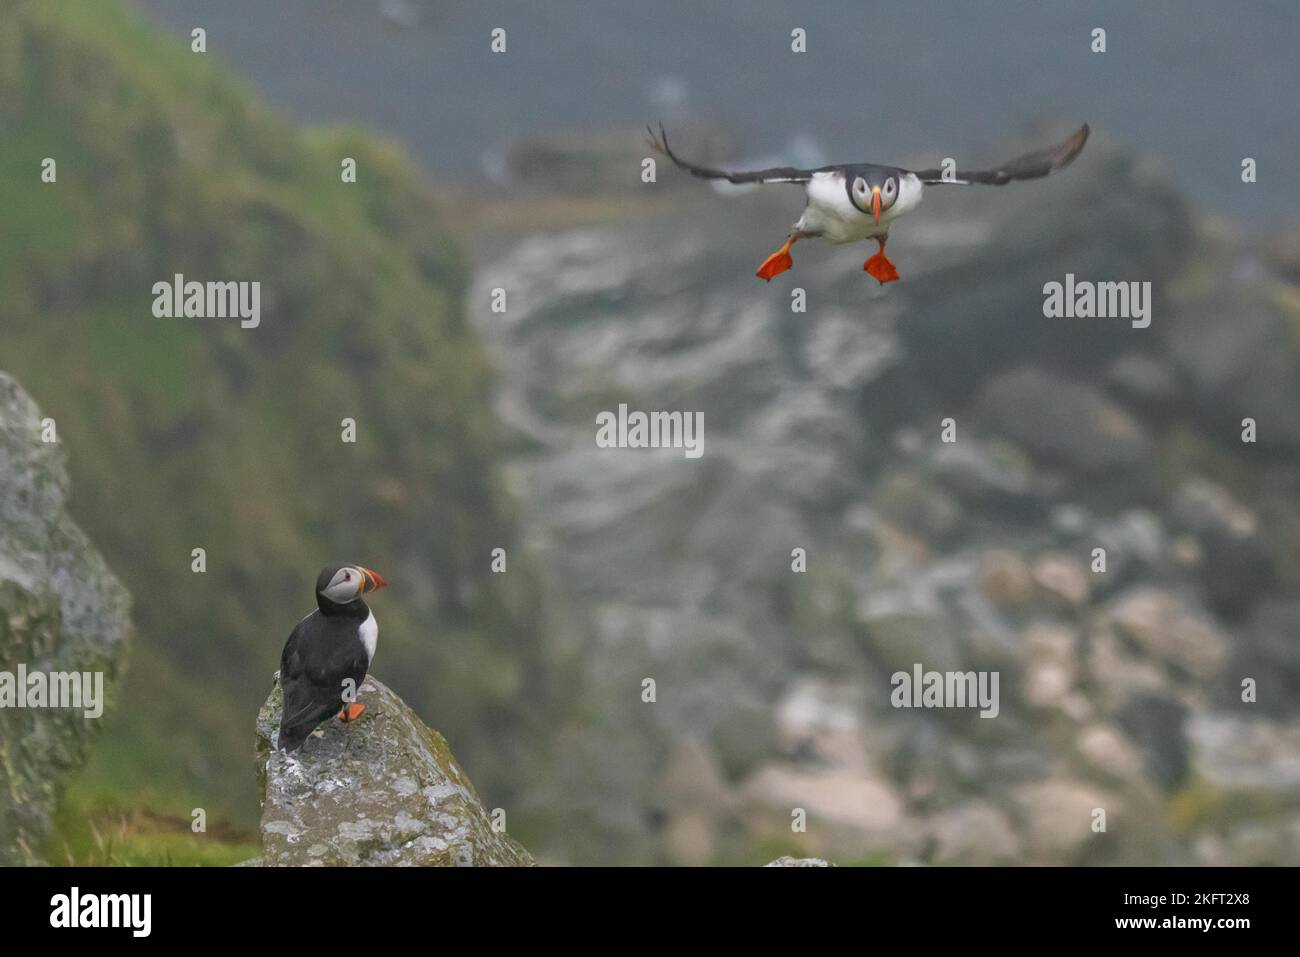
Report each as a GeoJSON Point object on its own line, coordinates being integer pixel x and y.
{"type": "Point", "coordinates": [881, 269]}
{"type": "Point", "coordinates": [778, 262]}
{"type": "Point", "coordinates": [775, 264]}
{"type": "Point", "coordinates": [352, 712]}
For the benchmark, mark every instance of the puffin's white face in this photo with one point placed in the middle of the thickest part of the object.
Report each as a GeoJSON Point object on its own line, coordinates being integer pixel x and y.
{"type": "Point", "coordinates": [888, 192]}
{"type": "Point", "coordinates": [861, 193]}
{"type": "Point", "coordinates": [875, 197]}
{"type": "Point", "coordinates": [351, 582]}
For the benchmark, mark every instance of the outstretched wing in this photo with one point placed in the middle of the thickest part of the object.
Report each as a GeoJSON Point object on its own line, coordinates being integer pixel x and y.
{"type": "Point", "coordinates": [777, 174]}
{"type": "Point", "coordinates": [1030, 166]}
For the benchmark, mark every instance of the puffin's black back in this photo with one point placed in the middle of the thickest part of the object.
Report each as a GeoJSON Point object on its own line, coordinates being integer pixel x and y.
{"type": "Point", "coordinates": [323, 651]}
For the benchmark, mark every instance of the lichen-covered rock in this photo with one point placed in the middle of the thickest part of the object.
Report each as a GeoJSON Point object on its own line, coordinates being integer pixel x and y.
{"type": "Point", "coordinates": [789, 861]}
{"type": "Point", "coordinates": [384, 790]}
{"type": "Point", "coordinates": [61, 610]}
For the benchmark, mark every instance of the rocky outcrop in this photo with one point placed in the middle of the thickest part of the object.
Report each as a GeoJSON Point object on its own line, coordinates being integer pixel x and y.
{"type": "Point", "coordinates": [788, 861]}
{"type": "Point", "coordinates": [61, 611]}
{"type": "Point", "coordinates": [384, 790]}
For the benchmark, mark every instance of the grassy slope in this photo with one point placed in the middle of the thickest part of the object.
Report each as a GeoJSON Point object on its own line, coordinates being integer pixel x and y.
{"type": "Point", "coordinates": [197, 433]}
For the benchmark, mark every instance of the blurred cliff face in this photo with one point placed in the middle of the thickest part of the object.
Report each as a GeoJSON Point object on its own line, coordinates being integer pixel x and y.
{"type": "Point", "coordinates": [945, 473]}
{"type": "Point", "coordinates": [917, 476]}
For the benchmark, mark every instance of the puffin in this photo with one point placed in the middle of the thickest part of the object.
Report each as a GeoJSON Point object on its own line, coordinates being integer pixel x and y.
{"type": "Point", "coordinates": [328, 654]}
{"type": "Point", "coordinates": [856, 201]}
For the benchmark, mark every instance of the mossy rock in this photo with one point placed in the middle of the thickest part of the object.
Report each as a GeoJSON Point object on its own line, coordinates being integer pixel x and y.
{"type": "Point", "coordinates": [61, 610]}
{"type": "Point", "coordinates": [382, 790]}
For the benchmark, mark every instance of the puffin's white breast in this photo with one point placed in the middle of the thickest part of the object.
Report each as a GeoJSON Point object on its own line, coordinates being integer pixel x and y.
{"type": "Point", "coordinates": [832, 215]}
{"type": "Point", "coordinates": [370, 635]}
{"type": "Point", "coordinates": [829, 212]}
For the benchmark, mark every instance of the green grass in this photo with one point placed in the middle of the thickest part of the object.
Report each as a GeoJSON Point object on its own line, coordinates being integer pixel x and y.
{"type": "Point", "coordinates": [96, 830]}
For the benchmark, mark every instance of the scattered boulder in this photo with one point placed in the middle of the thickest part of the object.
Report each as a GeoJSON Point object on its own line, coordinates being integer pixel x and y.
{"type": "Point", "coordinates": [848, 815]}
{"type": "Point", "coordinates": [1058, 817]}
{"type": "Point", "coordinates": [1156, 724]}
{"type": "Point", "coordinates": [976, 833]}
{"type": "Point", "coordinates": [1244, 755]}
{"type": "Point", "coordinates": [1050, 673]}
{"type": "Point", "coordinates": [383, 790]}
{"type": "Point", "coordinates": [61, 610]}
{"type": "Point", "coordinates": [994, 474]}
{"type": "Point", "coordinates": [1109, 753]}
{"type": "Point", "coordinates": [1061, 579]}
{"type": "Point", "coordinates": [1235, 565]}
{"type": "Point", "coordinates": [824, 721]}
{"type": "Point", "coordinates": [1267, 656]}
{"type": "Point", "coordinates": [1167, 628]}
{"type": "Point", "coordinates": [1243, 368]}
{"type": "Point", "coordinates": [694, 798]}
{"type": "Point", "coordinates": [1065, 422]}
{"type": "Point", "coordinates": [1005, 579]}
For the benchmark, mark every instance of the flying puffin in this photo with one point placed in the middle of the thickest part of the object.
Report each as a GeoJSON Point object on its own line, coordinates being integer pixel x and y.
{"type": "Point", "coordinates": [859, 201]}
{"type": "Point", "coordinates": [328, 653]}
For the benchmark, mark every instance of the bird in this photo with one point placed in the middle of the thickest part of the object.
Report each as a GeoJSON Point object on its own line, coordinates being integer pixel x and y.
{"type": "Point", "coordinates": [328, 654]}
{"type": "Point", "coordinates": [856, 201]}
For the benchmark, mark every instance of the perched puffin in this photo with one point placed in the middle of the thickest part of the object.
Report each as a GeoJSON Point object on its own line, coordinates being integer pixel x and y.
{"type": "Point", "coordinates": [328, 653]}
{"type": "Point", "coordinates": [859, 201]}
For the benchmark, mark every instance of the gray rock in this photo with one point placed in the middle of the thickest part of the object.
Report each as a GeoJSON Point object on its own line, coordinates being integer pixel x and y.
{"type": "Point", "coordinates": [1142, 379]}
{"type": "Point", "coordinates": [973, 833]}
{"type": "Point", "coordinates": [1243, 368]}
{"type": "Point", "coordinates": [61, 610]}
{"type": "Point", "coordinates": [384, 790]}
{"type": "Point", "coordinates": [1171, 628]}
{"type": "Point", "coordinates": [1267, 654]}
{"type": "Point", "coordinates": [907, 625]}
{"type": "Point", "coordinates": [1135, 544]}
{"type": "Point", "coordinates": [1156, 725]}
{"type": "Point", "coordinates": [965, 325]}
{"type": "Point", "coordinates": [1065, 422]}
{"type": "Point", "coordinates": [789, 861]}
{"type": "Point", "coordinates": [1005, 579]}
{"type": "Point", "coordinates": [1235, 565]}
{"type": "Point", "coordinates": [851, 815]}
{"type": "Point", "coordinates": [1061, 579]}
{"type": "Point", "coordinates": [1246, 755]}
{"type": "Point", "coordinates": [1058, 815]}
{"type": "Point", "coordinates": [991, 473]}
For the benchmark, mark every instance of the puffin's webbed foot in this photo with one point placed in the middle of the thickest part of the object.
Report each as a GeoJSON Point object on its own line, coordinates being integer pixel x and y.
{"type": "Point", "coordinates": [778, 262]}
{"type": "Point", "coordinates": [352, 712]}
{"type": "Point", "coordinates": [880, 268]}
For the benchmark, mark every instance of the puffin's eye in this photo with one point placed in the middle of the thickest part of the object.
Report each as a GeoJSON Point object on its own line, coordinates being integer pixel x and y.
{"type": "Point", "coordinates": [860, 186]}
{"type": "Point", "coordinates": [890, 186]}
{"type": "Point", "coordinates": [347, 576]}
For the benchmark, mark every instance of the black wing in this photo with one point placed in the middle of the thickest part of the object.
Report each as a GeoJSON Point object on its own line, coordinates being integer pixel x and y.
{"type": "Point", "coordinates": [313, 691]}
{"type": "Point", "coordinates": [777, 174]}
{"type": "Point", "coordinates": [1030, 166]}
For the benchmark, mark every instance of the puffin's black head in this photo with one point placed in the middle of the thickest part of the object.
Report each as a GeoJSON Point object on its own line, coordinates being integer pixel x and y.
{"type": "Point", "coordinates": [343, 584]}
{"type": "Point", "coordinates": [872, 189]}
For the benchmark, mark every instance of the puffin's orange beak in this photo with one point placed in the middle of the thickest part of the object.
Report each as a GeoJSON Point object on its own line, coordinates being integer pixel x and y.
{"type": "Point", "coordinates": [875, 204]}
{"type": "Point", "coordinates": [371, 580]}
